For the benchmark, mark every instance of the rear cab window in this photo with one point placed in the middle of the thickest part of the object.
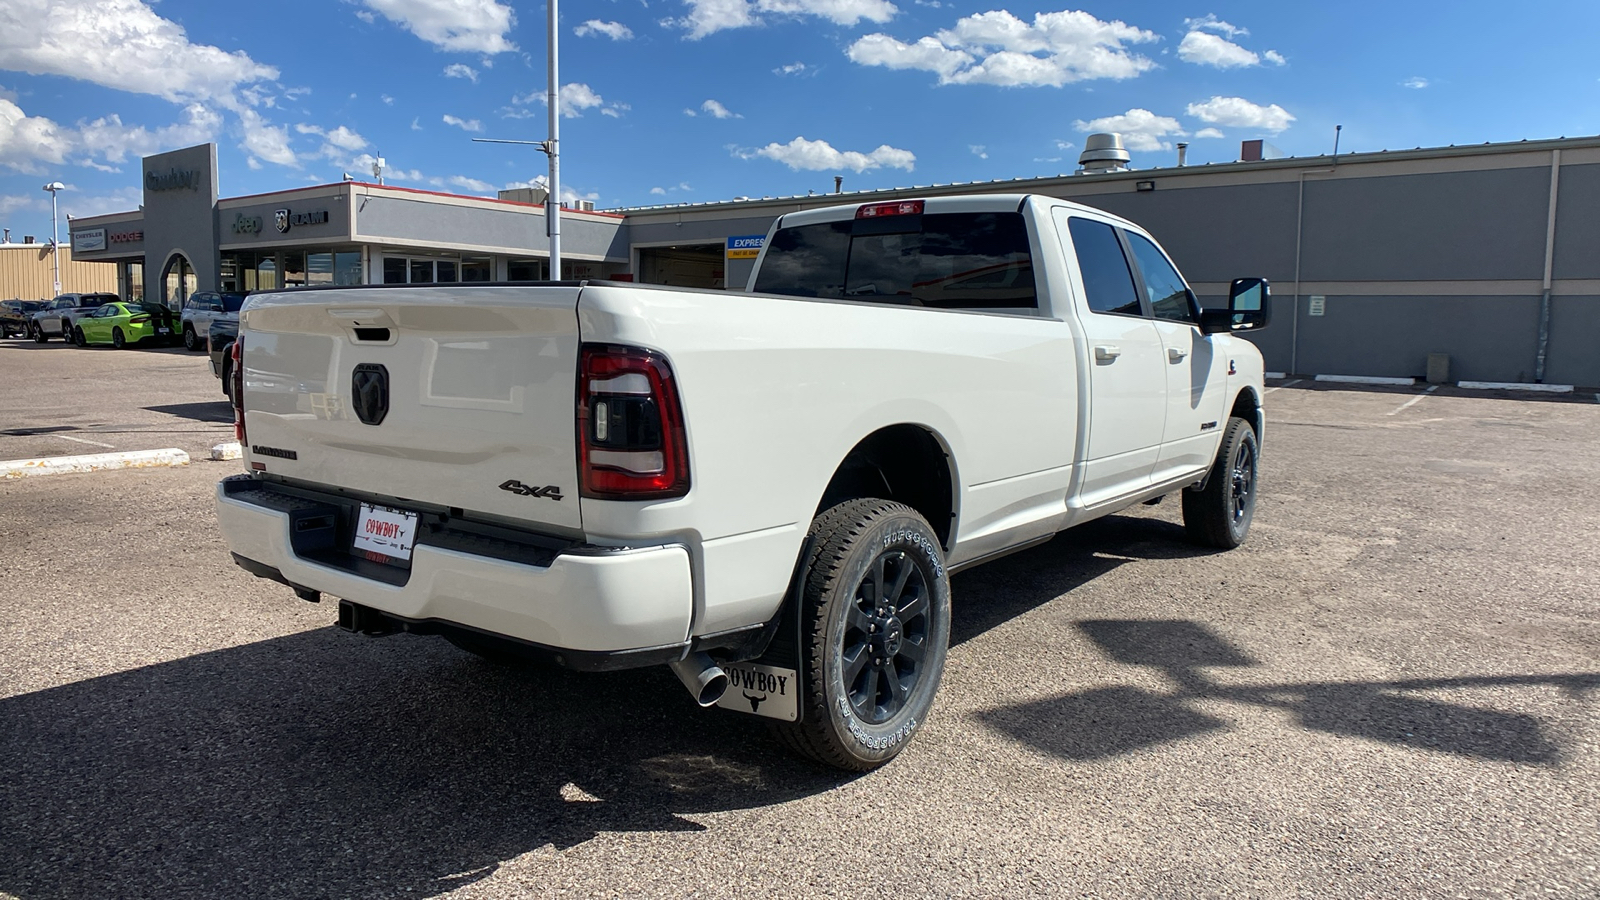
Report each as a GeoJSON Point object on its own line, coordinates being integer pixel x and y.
{"type": "Point", "coordinates": [950, 260]}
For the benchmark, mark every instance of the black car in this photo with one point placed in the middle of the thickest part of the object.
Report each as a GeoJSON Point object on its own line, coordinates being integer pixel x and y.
{"type": "Point", "coordinates": [14, 315]}
{"type": "Point", "coordinates": [220, 340]}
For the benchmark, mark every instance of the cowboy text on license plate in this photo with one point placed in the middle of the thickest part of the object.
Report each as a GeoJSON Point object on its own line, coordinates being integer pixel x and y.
{"type": "Point", "coordinates": [381, 529]}
{"type": "Point", "coordinates": [763, 690]}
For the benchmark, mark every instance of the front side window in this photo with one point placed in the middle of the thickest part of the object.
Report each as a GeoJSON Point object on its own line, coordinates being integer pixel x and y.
{"type": "Point", "coordinates": [1107, 281]}
{"type": "Point", "coordinates": [1169, 296]}
{"type": "Point", "coordinates": [939, 260]}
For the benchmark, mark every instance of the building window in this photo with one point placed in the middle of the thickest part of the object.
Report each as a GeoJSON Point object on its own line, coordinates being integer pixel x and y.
{"type": "Point", "coordinates": [319, 268]}
{"type": "Point", "coordinates": [294, 268]}
{"type": "Point", "coordinates": [347, 267]}
{"type": "Point", "coordinates": [527, 270]}
{"type": "Point", "coordinates": [477, 268]}
{"type": "Point", "coordinates": [394, 270]}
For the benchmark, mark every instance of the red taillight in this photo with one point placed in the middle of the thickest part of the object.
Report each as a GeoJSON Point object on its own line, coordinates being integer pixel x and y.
{"type": "Point", "coordinates": [138, 320]}
{"type": "Point", "coordinates": [631, 440]}
{"type": "Point", "coordinates": [236, 353]}
{"type": "Point", "coordinates": [892, 208]}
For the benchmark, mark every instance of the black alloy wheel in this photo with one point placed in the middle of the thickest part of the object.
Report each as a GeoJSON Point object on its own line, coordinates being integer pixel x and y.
{"type": "Point", "coordinates": [117, 339]}
{"type": "Point", "coordinates": [77, 337]}
{"type": "Point", "coordinates": [1219, 514]}
{"type": "Point", "coordinates": [875, 631]}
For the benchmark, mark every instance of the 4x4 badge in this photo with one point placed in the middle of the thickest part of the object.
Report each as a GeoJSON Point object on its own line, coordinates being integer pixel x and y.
{"type": "Point", "coordinates": [527, 490]}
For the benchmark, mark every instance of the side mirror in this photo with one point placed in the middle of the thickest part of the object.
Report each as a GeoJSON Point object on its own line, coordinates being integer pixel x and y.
{"type": "Point", "coordinates": [1249, 308]}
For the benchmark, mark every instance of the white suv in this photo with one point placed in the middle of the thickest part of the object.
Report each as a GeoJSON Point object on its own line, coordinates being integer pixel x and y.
{"type": "Point", "coordinates": [203, 309]}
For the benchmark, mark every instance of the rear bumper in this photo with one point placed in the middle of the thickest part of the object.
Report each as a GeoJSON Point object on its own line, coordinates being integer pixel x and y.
{"type": "Point", "coordinates": [596, 601]}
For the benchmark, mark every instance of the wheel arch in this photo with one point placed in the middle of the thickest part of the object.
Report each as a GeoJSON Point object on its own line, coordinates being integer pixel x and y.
{"type": "Point", "coordinates": [1247, 406]}
{"type": "Point", "coordinates": [907, 463]}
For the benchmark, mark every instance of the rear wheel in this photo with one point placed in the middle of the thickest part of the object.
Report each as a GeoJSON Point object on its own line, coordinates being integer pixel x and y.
{"type": "Point", "coordinates": [1219, 514]}
{"type": "Point", "coordinates": [227, 378]}
{"type": "Point", "coordinates": [191, 341]}
{"type": "Point", "coordinates": [875, 628]}
{"type": "Point", "coordinates": [117, 339]}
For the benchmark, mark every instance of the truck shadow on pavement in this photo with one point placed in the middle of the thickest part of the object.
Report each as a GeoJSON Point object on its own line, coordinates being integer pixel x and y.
{"type": "Point", "coordinates": [321, 764]}
{"type": "Point", "coordinates": [1111, 721]}
{"type": "Point", "coordinates": [215, 411]}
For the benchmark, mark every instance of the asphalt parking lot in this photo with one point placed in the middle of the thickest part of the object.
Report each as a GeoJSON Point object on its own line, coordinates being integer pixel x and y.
{"type": "Point", "coordinates": [1389, 691]}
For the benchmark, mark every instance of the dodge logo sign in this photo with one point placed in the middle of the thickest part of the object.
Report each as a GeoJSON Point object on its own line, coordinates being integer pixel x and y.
{"type": "Point", "coordinates": [280, 217]}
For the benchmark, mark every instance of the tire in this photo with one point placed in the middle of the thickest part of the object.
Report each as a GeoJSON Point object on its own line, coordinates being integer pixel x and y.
{"type": "Point", "coordinates": [854, 651]}
{"type": "Point", "coordinates": [39, 336]}
{"type": "Point", "coordinates": [1219, 514]}
{"type": "Point", "coordinates": [78, 338]}
{"type": "Point", "coordinates": [118, 340]}
{"type": "Point", "coordinates": [191, 341]}
{"type": "Point", "coordinates": [227, 381]}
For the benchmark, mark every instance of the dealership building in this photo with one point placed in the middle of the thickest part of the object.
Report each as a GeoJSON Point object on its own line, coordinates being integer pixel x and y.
{"type": "Point", "coordinates": [1487, 255]}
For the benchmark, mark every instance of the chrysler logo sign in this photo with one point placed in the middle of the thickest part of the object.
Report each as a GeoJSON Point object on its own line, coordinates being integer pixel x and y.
{"type": "Point", "coordinates": [285, 219]}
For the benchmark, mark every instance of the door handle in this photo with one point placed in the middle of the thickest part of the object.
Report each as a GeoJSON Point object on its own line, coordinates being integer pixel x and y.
{"type": "Point", "coordinates": [1176, 354]}
{"type": "Point", "coordinates": [1107, 352]}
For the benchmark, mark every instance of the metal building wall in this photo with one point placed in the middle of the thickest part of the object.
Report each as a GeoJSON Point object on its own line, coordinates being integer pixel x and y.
{"type": "Point", "coordinates": [27, 272]}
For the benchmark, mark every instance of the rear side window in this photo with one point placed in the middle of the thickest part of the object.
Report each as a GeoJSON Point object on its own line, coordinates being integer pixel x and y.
{"type": "Point", "coordinates": [1106, 277]}
{"type": "Point", "coordinates": [1169, 296]}
{"type": "Point", "coordinates": [232, 302]}
{"type": "Point", "coordinates": [946, 261]}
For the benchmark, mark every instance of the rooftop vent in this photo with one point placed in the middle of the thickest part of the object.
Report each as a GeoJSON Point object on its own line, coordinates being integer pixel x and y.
{"type": "Point", "coordinates": [1103, 153]}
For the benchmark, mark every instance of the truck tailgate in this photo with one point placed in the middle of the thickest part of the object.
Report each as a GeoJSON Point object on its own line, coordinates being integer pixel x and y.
{"type": "Point", "coordinates": [443, 395]}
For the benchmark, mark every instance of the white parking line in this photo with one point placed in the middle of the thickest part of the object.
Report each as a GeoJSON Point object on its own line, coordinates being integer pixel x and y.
{"type": "Point", "coordinates": [56, 465]}
{"type": "Point", "coordinates": [1288, 384]}
{"type": "Point", "coordinates": [68, 437]}
{"type": "Point", "coordinates": [1412, 402]}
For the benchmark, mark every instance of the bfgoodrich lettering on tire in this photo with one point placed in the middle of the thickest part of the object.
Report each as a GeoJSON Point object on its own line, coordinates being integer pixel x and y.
{"type": "Point", "coordinates": [1219, 514]}
{"type": "Point", "coordinates": [875, 627]}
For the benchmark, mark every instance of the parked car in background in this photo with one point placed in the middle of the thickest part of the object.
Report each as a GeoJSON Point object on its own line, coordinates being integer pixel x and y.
{"type": "Point", "coordinates": [14, 315]}
{"type": "Point", "coordinates": [204, 308]}
{"type": "Point", "coordinates": [61, 314]}
{"type": "Point", "coordinates": [120, 324]}
{"type": "Point", "coordinates": [220, 341]}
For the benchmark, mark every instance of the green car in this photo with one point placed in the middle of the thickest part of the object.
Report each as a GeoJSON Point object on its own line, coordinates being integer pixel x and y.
{"type": "Point", "coordinates": [121, 324]}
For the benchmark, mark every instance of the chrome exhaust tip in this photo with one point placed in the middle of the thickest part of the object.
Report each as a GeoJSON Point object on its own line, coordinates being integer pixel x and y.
{"type": "Point", "coordinates": [701, 675]}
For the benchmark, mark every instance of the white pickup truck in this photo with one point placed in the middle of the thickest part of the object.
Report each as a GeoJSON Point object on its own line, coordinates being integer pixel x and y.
{"type": "Point", "coordinates": [766, 490]}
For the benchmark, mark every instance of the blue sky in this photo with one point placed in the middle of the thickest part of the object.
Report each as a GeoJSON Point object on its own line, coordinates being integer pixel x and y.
{"type": "Point", "coordinates": [669, 101]}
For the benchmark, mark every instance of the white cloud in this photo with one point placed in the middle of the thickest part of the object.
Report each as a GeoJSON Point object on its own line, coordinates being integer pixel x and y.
{"type": "Point", "coordinates": [575, 98]}
{"type": "Point", "coordinates": [387, 100]}
{"type": "Point", "coordinates": [463, 124]}
{"type": "Point", "coordinates": [77, 205]}
{"type": "Point", "coordinates": [719, 111]}
{"type": "Point", "coordinates": [263, 140]}
{"type": "Point", "coordinates": [27, 141]}
{"type": "Point", "coordinates": [1141, 129]}
{"type": "Point", "coordinates": [471, 184]}
{"type": "Point", "coordinates": [471, 26]}
{"type": "Point", "coordinates": [1238, 112]}
{"type": "Point", "coordinates": [819, 155]}
{"type": "Point", "coordinates": [1415, 83]}
{"type": "Point", "coordinates": [1204, 49]}
{"type": "Point", "coordinates": [1209, 133]}
{"type": "Point", "coordinates": [978, 150]}
{"type": "Point", "coordinates": [108, 138]}
{"type": "Point", "coordinates": [457, 70]}
{"type": "Point", "coordinates": [1064, 145]}
{"type": "Point", "coordinates": [794, 68]}
{"type": "Point", "coordinates": [998, 48]}
{"type": "Point", "coordinates": [710, 16]}
{"type": "Point", "coordinates": [614, 30]}
{"type": "Point", "coordinates": [345, 139]}
{"type": "Point", "coordinates": [1210, 22]}
{"type": "Point", "coordinates": [416, 123]}
{"type": "Point", "coordinates": [658, 191]}
{"type": "Point", "coordinates": [130, 47]}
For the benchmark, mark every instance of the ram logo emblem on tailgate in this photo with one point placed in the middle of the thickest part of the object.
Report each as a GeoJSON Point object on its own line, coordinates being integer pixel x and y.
{"type": "Point", "coordinates": [369, 392]}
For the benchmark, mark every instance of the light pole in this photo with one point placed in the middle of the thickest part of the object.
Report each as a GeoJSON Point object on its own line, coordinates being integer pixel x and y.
{"type": "Point", "coordinates": [55, 230]}
{"type": "Point", "coordinates": [550, 148]}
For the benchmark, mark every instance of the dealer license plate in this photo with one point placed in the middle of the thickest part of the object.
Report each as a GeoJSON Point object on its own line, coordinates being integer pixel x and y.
{"type": "Point", "coordinates": [763, 690]}
{"type": "Point", "coordinates": [385, 531]}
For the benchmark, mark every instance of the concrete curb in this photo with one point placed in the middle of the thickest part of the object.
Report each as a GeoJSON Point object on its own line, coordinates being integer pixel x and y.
{"type": "Point", "coordinates": [93, 462]}
{"type": "Point", "coordinates": [229, 450]}
{"type": "Point", "coordinates": [1367, 379]}
{"type": "Point", "coordinates": [1515, 386]}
